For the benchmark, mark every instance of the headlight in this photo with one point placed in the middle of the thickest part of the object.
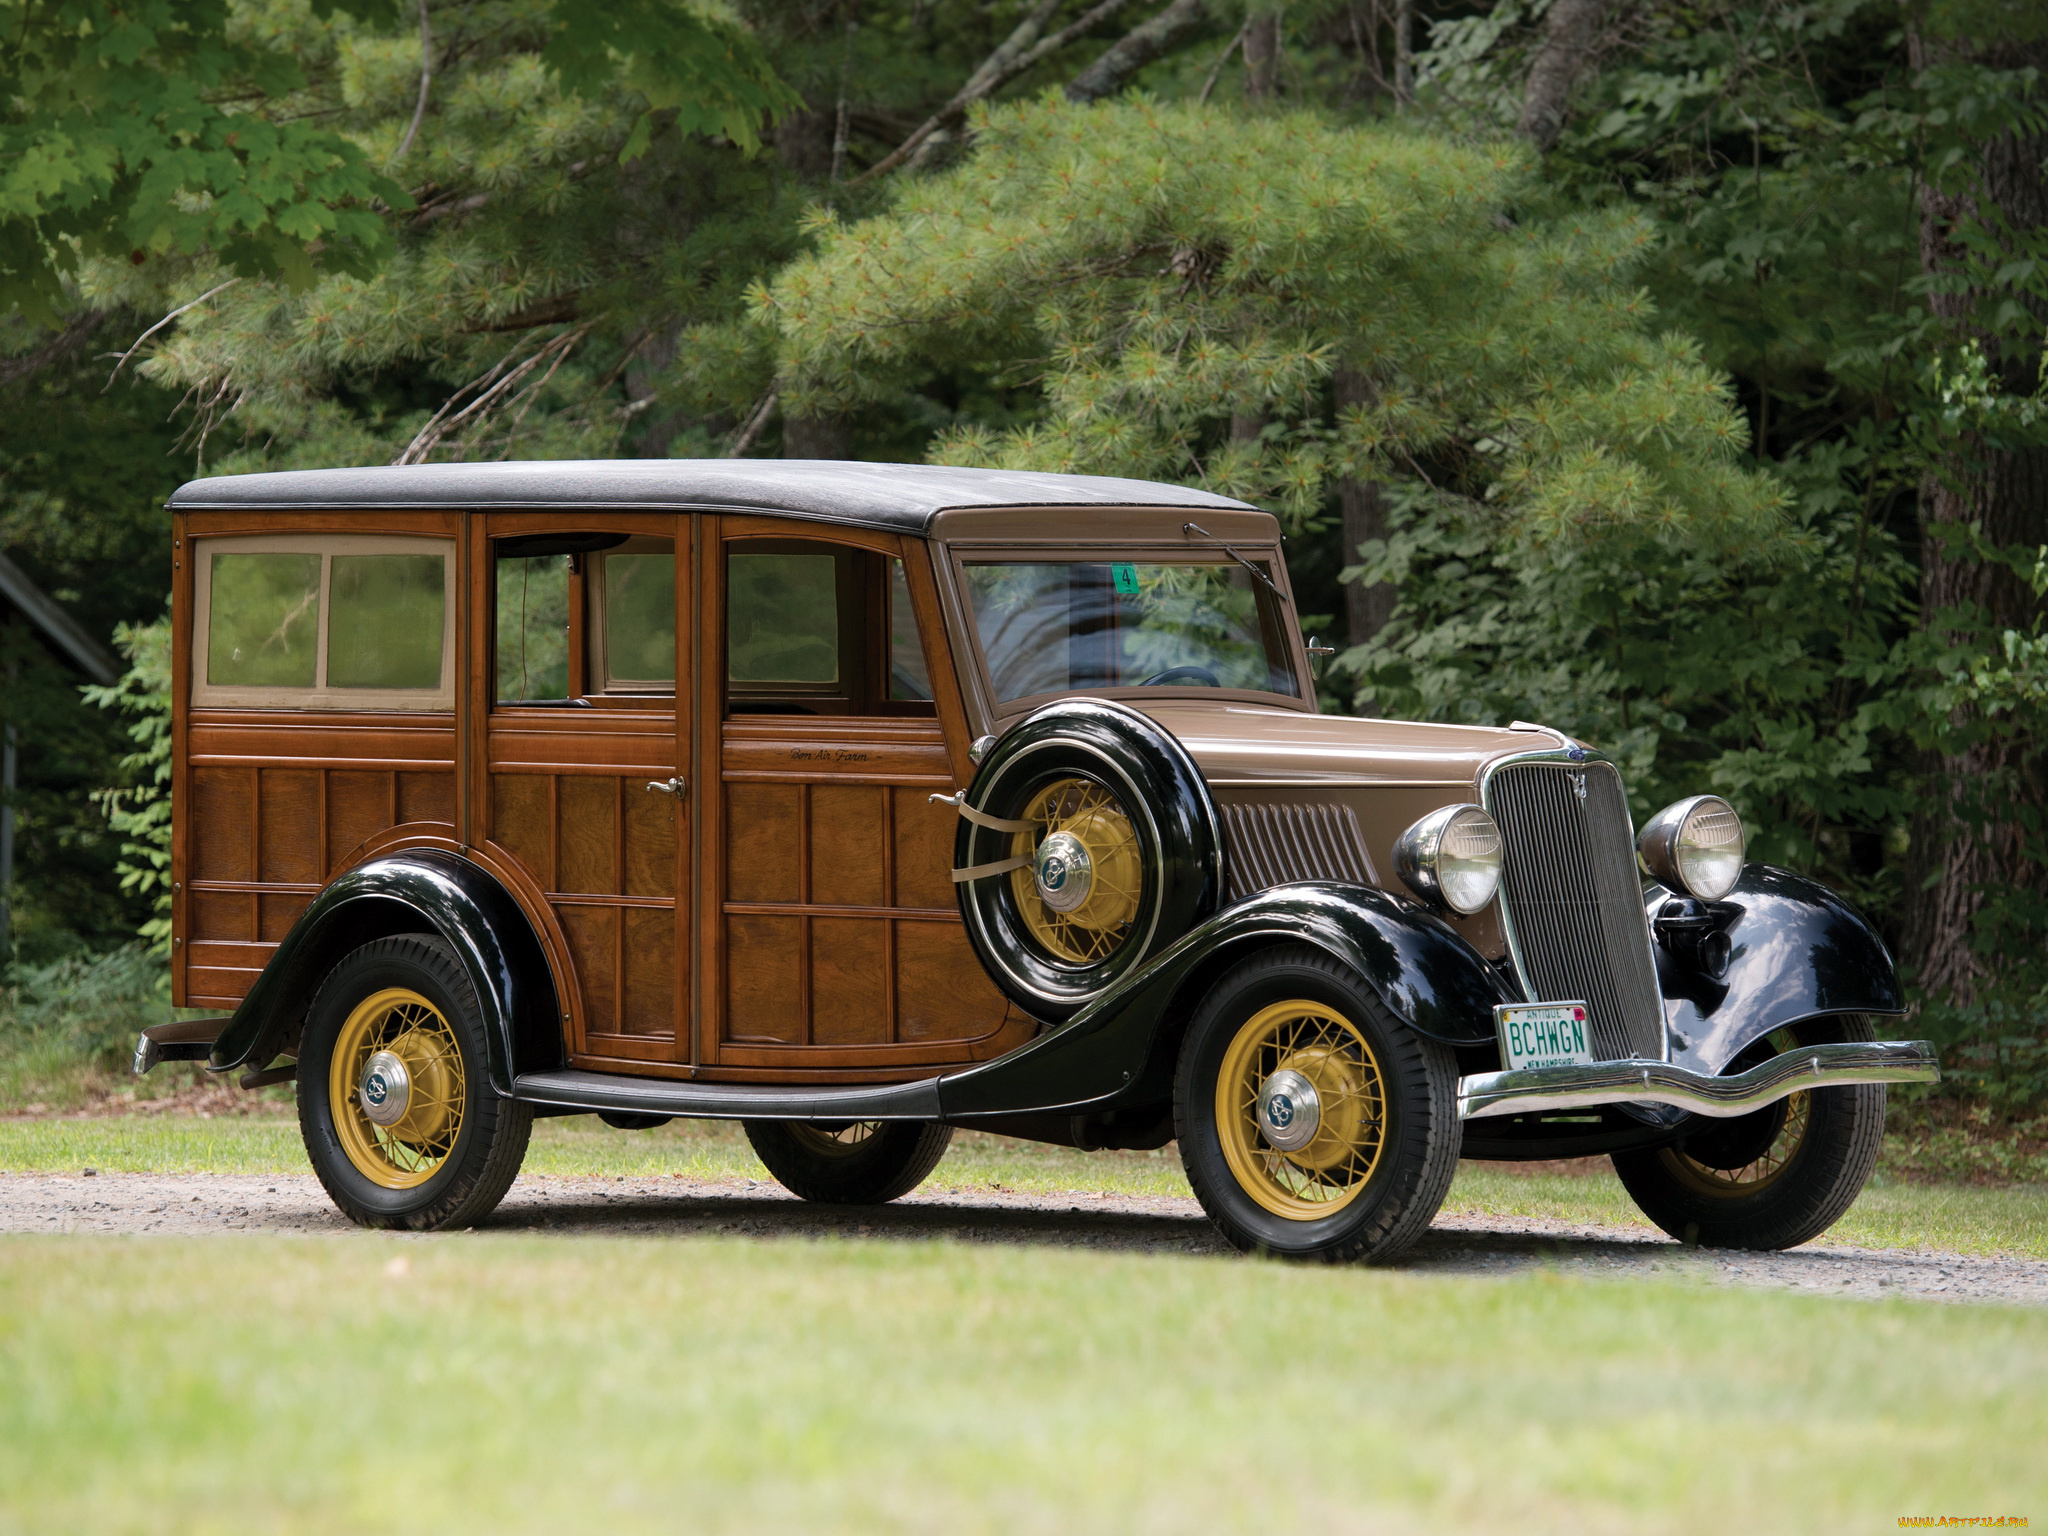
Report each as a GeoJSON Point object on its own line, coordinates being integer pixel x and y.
{"type": "Point", "coordinates": [1695, 846]}
{"type": "Point", "coordinates": [1452, 858]}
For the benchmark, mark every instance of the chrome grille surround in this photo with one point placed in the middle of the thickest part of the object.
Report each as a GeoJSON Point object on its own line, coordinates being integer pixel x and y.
{"type": "Point", "coordinates": [1570, 898]}
{"type": "Point", "coordinates": [1276, 843]}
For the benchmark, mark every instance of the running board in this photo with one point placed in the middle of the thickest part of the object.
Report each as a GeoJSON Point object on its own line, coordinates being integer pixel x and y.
{"type": "Point", "coordinates": [728, 1101]}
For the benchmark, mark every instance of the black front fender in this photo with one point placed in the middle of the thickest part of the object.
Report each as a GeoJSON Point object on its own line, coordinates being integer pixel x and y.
{"type": "Point", "coordinates": [1121, 1048]}
{"type": "Point", "coordinates": [416, 891]}
{"type": "Point", "coordinates": [1794, 950]}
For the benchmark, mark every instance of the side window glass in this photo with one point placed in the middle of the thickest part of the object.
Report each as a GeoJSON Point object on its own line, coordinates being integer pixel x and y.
{"type": "Point", "coordinates": [533, 627]}
{"type": "Point", "coordinates": [782, 620]}
{"type": "Point", "coordinates": [636, 591]}
{"type": "Point", "coordinates": [324, 621]}
{"type": "Point", "coordinates": [265, 629]}
{"type": "Point", "coordinates": [385, 620]}
{"type": "Point", "coordinates": [908, 679]}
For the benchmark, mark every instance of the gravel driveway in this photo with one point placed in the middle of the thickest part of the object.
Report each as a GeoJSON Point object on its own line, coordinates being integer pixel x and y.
{"type": "Point", "coordinates": [185, 1204]}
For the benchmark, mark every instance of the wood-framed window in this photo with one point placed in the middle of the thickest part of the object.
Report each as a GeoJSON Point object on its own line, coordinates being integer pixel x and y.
{"type": "Point", "coordinates": [323, 621]}
{"type": "Point", "coordinates": [584, 616]}
{"type": "Point", "coordinates": [815, 627]}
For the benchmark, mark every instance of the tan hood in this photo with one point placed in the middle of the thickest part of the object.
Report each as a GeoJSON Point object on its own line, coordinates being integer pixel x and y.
{"type": "Point", "coordinates": [1252, 743]}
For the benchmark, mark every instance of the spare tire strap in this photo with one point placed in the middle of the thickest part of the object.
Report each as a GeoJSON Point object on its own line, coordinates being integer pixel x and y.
{"type": "Point", "coordinates": [982, 818]}
{"type": "Point", "coordinates": [983, 871]}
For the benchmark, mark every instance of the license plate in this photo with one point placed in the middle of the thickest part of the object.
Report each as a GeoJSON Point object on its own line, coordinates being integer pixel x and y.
{"type": "Point", "coordinates": [1542, 1035]}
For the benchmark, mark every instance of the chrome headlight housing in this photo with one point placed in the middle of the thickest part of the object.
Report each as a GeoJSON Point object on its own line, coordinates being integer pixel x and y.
{"type": "Point", "coordinates": [1452, 858]}
{"type": "Point", "coordinates": [1695, 846]}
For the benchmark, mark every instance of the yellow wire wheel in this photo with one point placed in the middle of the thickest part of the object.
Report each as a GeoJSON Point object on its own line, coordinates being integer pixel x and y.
{"type": "Point", "coordinates": [397, 1085]}
{"type": "Point", "coordinates": [1301, 1109]}
{"type": "Point", "coordinates": [1755, 1176]}
{"type": "Point", "coordinates": [1079, 891]}
{"type": "Point", "coordinates": [840, 1141]}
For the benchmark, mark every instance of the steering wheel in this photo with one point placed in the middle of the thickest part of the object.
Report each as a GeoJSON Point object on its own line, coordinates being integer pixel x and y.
{"type": "Point", "coordinates": [1200, 675]}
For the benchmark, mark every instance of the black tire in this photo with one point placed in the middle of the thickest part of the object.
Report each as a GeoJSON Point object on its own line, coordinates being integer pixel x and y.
{"type": "Point", "coordinates": [1380, 1209]}
{"type": "Point", "coordinates": [466, 1168]}
{"type": "Point", "coordinates": [1773, 1179]}
{"type": "Point", "coordinates": [859, 1163]}
{"type": "Point", "coordinates": [1064, 756]}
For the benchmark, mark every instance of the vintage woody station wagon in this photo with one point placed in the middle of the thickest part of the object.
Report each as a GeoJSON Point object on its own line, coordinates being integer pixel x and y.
{"type": "Point", "coordinates": [858, 802]}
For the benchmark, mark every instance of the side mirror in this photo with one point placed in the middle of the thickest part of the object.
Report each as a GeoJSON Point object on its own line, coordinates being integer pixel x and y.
{"type": "Point", "coordinates": [1318, 655]}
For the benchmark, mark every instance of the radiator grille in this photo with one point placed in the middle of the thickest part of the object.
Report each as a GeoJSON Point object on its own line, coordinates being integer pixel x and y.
{"type": "Point", "coordinates": [1276, 844]}
{"type": "Point", "coordinates": [1574, 900]}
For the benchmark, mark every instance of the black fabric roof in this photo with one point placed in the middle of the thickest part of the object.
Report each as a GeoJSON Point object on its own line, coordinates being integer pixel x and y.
{"type": "Point", "coordinates": [900, 497]}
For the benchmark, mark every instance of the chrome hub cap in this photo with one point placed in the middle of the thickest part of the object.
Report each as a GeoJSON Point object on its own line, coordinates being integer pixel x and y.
{"type": "Point", "coordinates": [1289, 1111]}
{"type": "Point", "coordinates": [385, 1091]}
{"type": "Point", "coordinates": [1063, 872]}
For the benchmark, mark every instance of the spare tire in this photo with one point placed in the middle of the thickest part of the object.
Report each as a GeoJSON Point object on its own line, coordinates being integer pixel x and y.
{"type": "Point", "coordinates": [1088, 842]}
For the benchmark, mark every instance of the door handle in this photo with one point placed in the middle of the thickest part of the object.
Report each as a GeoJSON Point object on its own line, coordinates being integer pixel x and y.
{"type": "Point", "coordinates": [674, 786]}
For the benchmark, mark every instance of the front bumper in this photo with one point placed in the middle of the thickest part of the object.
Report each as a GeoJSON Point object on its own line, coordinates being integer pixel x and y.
{"type": "Point", "coordinates": [1658, 1082]}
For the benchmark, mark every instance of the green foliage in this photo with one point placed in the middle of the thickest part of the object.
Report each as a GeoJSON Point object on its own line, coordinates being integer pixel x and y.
{"type": "Point", "coordinates": [706, 70]}
{"type": "Point", "coordinates": [140, 813]}
{"type": "Point", "coordinates": [1154, 269]}
{"type": "Point", "coordinates": [1760, 671]}
{"type": "Point", "coordinates": [535, 264]}
{"type": "Point", "coordinates": [67, 1027]}
{"type": "Point", "coordinates": [143, 129]}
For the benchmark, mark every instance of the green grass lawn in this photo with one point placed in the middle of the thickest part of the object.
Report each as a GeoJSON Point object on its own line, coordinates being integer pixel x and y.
{"type": "Point", "coordinates": [1892, 1214]}
{"type": "Point", "coordinates": [515, 1384]}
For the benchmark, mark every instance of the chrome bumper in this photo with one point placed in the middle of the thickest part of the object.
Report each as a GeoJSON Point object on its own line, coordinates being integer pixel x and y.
{"type": "Point", "coordinates": [1658, 1082]}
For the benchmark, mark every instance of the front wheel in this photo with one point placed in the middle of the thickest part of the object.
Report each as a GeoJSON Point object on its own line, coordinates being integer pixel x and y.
{"type": "Point", "coordinates": [1772, 1179]}
{"type": "Point", "coordinates": [395, 1105]}
{"type": "Point", "coordinates": [1312, 1124]}
{"type": "Point", "coordinates": [861, 1162]}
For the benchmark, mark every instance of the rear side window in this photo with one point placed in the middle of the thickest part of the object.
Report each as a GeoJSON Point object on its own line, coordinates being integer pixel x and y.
{"type": "Point", "coordinates": [333, 622]}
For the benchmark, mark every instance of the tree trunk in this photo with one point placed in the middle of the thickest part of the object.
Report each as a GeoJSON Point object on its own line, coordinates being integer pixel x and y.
{"type": "Point", "coordinates": [1969, 841]}
{"type": "Point", "coordinates": [1262, 56]}
{"type": "Point", "coordinates": [1571, 32]}
{"type": "Point", "coordinates": [816, 437]}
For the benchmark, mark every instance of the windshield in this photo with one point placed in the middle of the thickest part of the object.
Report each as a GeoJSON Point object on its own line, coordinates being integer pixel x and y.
{"type": "Point", "coordinates": [1059, 626]}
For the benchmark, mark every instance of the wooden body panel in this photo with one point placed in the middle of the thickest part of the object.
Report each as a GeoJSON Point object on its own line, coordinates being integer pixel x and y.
{"type": "Point", "coordinates": [833, 949]}
{"type": "Point", "coordinates": [838, 948]}
{"type": "Point", "coordinates": [275, 805]}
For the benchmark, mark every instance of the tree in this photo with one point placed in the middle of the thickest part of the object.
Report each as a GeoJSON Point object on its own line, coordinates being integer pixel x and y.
{"type": "Point", "coordinates": [138, 130]}
{"type": "Point", "coordinates": [1156, 269]}
{"type": "Point", "coordinates": [1982, 844]}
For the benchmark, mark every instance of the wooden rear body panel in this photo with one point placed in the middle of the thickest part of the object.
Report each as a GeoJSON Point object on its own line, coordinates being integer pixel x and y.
{"type": "Point", "coordinates": [789, 918]}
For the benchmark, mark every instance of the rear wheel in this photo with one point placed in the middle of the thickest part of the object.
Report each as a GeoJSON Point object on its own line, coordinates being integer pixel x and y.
{"type": "Point", "coordinates": [1772, 1179]}
{"type": "Point", "coordinates": [395, 1104]}
{"type": "Point", "coordinates": [860, 1162]}
{"type": "Point", "coordinates": [1312, 1124]}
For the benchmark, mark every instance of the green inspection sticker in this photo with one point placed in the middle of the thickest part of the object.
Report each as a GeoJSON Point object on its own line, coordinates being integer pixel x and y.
{"type": "Point", "coordinates": [1126, 579]}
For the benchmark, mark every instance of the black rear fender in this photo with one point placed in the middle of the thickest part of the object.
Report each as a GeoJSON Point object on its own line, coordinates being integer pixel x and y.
{"type": "Point", "coordinates": [417, 891]}
{"type": "Point", "coordinates": [1122, 1048]}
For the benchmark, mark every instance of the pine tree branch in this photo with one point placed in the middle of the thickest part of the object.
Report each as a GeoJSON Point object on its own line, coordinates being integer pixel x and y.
{"type": "Point", "coordinates": [419, 111]}
{"type": "Point", "coordinates": [1137, 48]}
{"type": "Point", "coordinates": [1018, 53]}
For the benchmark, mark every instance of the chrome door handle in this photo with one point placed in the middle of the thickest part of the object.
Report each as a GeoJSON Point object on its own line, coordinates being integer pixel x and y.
{"type": "Point", "coordinates": [674, 786]}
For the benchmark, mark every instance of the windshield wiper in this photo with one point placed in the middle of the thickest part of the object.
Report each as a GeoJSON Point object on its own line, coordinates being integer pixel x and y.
{"type": "Point", "coordinates": [1240, 559]}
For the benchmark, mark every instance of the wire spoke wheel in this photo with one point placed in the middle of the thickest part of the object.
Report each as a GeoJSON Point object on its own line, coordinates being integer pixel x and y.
{"type": "Point", "coordinates": [835, 1140]}
{"type": "Point", "coordinates": [1080, 892]}
{"type": "Point", "coordinates": [1760, 1172]}
{"type": "Point", "coordinates": [397, 1087]}
{"type": "Point", "coordinates": [1324, 1061]}
{"type": "Point", "coordinates": [1776, 1177]}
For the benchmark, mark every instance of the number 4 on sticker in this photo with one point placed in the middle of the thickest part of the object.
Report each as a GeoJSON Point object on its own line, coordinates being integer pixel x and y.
{"type": "Point", "coordinates": [1126, 579]}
